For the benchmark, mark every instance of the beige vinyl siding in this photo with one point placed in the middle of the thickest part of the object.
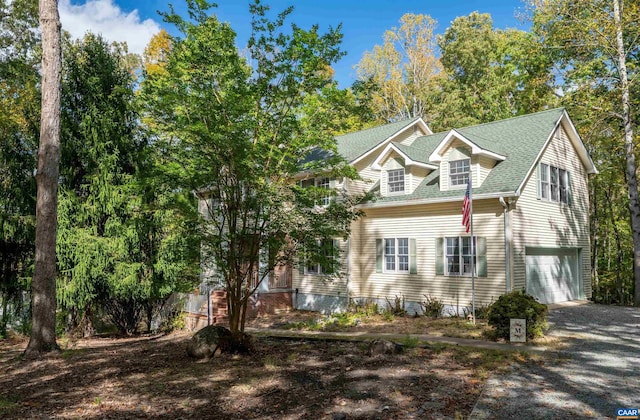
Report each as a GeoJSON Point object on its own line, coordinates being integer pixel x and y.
{"type": "Point", "coordinates": [322, 284]}
{"type": "Point", "coordinates": [409, 136]}
{"type": "Point", "coordinates": [457, 150]}
{"type": "Point", "coordinates": [417, 176]}
{"type": "Point", "coordinates": [369, 176]}
{"type": "Point", "coordinates": [539, 223]}
{"type": "Point", "coordinates": [483, 167]}
{"type": "Point", "coordinates": [426, 223]}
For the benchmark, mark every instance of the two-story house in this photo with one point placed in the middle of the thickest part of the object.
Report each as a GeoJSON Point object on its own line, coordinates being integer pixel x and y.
{"type": "Point", "coordinates": [530, 216]}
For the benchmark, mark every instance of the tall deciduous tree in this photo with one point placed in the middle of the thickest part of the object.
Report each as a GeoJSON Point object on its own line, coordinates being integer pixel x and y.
{"type": "Point", "coordinates": [234, 134]}
{"type": "Point", "coordinates": [596, 47]}
{"type": "Point", "coordinates": [43, 288]}
{"type": "Point", "coordinates": [398, 72]}
{"type": "Point", "coordinates": [489, 74]}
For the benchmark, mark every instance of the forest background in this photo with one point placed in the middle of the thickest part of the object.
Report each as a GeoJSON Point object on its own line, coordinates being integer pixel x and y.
{"type": "Point", "coordinates": [128, 229]}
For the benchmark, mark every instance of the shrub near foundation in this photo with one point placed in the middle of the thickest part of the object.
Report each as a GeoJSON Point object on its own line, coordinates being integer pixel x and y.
{"type": "Point", "coordinates": [520, 305]}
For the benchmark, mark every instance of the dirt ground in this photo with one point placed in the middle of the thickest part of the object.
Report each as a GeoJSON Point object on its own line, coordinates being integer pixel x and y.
{"type": "Point", "coordinates": [151, 377]}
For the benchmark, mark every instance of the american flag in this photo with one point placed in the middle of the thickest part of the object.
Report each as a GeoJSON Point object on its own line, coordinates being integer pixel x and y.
{"type": "Point", "coordinates": [466, 208]}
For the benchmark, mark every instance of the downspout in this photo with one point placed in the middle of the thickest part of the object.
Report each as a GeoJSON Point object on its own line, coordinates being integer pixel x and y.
{"type": "Point", "coordinates": [507, 244]}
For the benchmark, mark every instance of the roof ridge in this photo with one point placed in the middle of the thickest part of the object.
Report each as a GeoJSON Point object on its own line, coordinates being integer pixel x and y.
{"type": "Point", "coordinates": [379, 127]}
{"type": "Point", "coordinates": [508, 119]}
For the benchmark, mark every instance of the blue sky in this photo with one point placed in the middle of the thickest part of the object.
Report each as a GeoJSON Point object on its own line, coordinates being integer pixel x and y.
{"type": "Point", "coordinates": [363, 23]}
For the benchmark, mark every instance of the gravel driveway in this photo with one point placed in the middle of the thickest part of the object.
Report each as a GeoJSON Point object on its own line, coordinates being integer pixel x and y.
{"type": "Point", "coordinates": [598, 373]}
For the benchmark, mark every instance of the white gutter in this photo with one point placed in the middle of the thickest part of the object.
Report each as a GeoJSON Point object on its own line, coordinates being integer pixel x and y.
{"type": "Point", "coordinates": [434, 201]}
{"type": "Point", "coordinates": [507, 244]}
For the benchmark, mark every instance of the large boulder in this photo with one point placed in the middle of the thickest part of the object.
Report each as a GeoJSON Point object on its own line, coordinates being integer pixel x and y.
{"type": "Point", "coordinates": [207, 341]}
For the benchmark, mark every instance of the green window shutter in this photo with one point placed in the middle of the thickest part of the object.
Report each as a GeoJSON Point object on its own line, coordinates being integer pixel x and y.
{"type": "Point", "coordinates": [413, 264]}
{"type": "Point", "coordinates": [538, 181]}
{"type": "Point", "coordinates": [481, 254]}
{"type": "Point", "coordinates": [336, 252]}
{"type": "Point", "coordinates": [569, 195]}
{"type": "Point", "coordinates": [440, 256]}
{"type": "Point", "coordinates": [379, 255]}
{"type": "Point", "coordinates": [301, 263]}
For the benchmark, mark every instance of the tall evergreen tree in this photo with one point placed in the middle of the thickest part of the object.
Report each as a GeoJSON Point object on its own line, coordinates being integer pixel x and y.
{"type": "Point", "coordinates": [19, 115]}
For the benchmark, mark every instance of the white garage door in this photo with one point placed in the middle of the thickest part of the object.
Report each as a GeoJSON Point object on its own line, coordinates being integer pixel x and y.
{"type": "Point", "coordinates": [553, 275]}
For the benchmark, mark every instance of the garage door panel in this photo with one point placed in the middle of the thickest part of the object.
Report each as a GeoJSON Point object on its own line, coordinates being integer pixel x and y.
{"type": "Point", "coordinates": [552, 275]}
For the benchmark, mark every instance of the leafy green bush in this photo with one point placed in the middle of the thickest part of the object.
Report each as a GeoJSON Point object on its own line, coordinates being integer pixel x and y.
{"type": "Point", "coordinates": [431, 307]}
{"type": "Point", "coordinates": [517, 304]}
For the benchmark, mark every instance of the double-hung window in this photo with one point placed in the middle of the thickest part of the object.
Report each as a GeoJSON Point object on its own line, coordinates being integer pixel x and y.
{"type": "Point", "coordinates": [459, 171]}
{"type": "Point", "coordinates": [458, 255]}
{"type": "Point", "coordinates": [554, 184]}
{"type": "Point", "coordinates": [321, 182]}
{"type": "Point", "coordinates": [454, 256]}
{"type": "Point", "coordinates": [326, 250]}
{"type": "Point", "coordinates": [395, 180]}
{"type": "Point", "coordinates": [396, 254]}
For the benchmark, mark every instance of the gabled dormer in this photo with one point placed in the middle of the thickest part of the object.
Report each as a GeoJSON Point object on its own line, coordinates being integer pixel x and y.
{"type": "Point", "coordinates": [461, 158]}
{"type": "Point", "coordinates": [400, 173]}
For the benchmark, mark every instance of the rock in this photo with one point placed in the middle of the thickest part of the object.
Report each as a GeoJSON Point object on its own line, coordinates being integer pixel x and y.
{"type": "Point", "coordinates": [379, 346]}
{"type": "Point", "coordinates": [207, 341]}
{"type": "Point", "coordinates": [339, 416]}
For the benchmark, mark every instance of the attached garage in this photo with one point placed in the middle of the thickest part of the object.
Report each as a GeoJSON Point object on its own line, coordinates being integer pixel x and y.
{"type": "Point", "coordinates": [553, 274]}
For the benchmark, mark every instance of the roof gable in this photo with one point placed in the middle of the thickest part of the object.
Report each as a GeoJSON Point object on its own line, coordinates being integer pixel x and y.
{"type": "Point", "coordinates": [355, 146]}
{"type": "Point", "coordinates": [454, 135]}
{"type": "Point", "coordinates": [405, 153]}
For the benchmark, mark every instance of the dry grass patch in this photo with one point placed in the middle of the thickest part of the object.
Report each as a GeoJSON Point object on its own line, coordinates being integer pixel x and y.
{"type": "Point", "coordinates": [284, 378]}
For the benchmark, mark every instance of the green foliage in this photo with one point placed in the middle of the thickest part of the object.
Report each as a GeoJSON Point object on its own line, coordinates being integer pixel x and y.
{"type": "Point", "coordinates": [19, 130]}
{"type": "Point", "coordinates": [364, 307]}
{"type": "Point", "coordinates": [519, 305]}
{"type": "Point", "coordinates": [489, 74]}
{"type": "Point", "coordinates": [334, 322]}
{"type": "Point", "coordinates": [122, 247]}
{"type": "Point", "coordinates": [409, 342]}
{"type": "Point", "coordinates": [431, 307]}
{"type": "Point", "coordinates": [238, 134]}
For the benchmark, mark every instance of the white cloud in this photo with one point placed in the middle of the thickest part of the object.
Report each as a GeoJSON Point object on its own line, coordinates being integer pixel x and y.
{"type": "Point", "coordinates": [106, 18]}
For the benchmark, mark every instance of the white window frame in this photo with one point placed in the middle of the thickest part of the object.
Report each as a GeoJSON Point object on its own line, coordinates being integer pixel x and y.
{"type": "Point", "coordinates": [319, 182]}
{"type": "Point", "coordinates": [459, 172]}
{"type": "Point", "coordinates": [397, 186]}
{"type": "Point", "coordinates": [554, 185]}
{"type": "Point", "coordinates": [458, 248]}
{"type": "Point", "coordinates": [317, 269]}
{"type": "Point", "coordinates": [395, 255]}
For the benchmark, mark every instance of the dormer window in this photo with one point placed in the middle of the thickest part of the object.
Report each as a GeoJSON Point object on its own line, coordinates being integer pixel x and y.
{"type": "Point", "coordinates": [459, 171]}
{"type": "Point", "coordinates": [396, 180]}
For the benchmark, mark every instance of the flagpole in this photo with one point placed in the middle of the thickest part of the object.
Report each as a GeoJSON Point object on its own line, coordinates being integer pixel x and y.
{"type": "Point", "coordinates": [473, 253]}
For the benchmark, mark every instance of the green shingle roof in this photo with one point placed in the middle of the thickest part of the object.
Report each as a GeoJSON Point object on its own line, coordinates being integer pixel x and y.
{"type": "Point", "coordinates": [519, 139]}
{"type": "Point", "coordinates": [354, 145]}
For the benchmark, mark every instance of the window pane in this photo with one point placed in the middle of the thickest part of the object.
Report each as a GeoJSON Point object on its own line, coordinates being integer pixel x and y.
{"type": "Point", "coordinates": [396, 180]}
{"type": "Point", "coordinates": [453, 247]}
{"type": "Point", "coordinates": [544, 172]}
{"type": "Point", "coordinates": [403, 246]}
{"type": "Point", "coordinates": [453, 265]}
{"type": "Point", "coordinates": [403, 263]}
{"type": "Point", "coordinates": [459, 171]}
{"type": "Point", "coordinates": [390, 262]}
{"type": "Point", "coordinates": [390, 247]}
{"type": "Point", "coordinates": [563, 186]}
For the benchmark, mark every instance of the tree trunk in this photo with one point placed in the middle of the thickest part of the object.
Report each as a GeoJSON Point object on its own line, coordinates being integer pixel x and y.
{"type": "Point", "coordinates": [43, 287]}
{"type": "Point", "coordinates": [632, 181]}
